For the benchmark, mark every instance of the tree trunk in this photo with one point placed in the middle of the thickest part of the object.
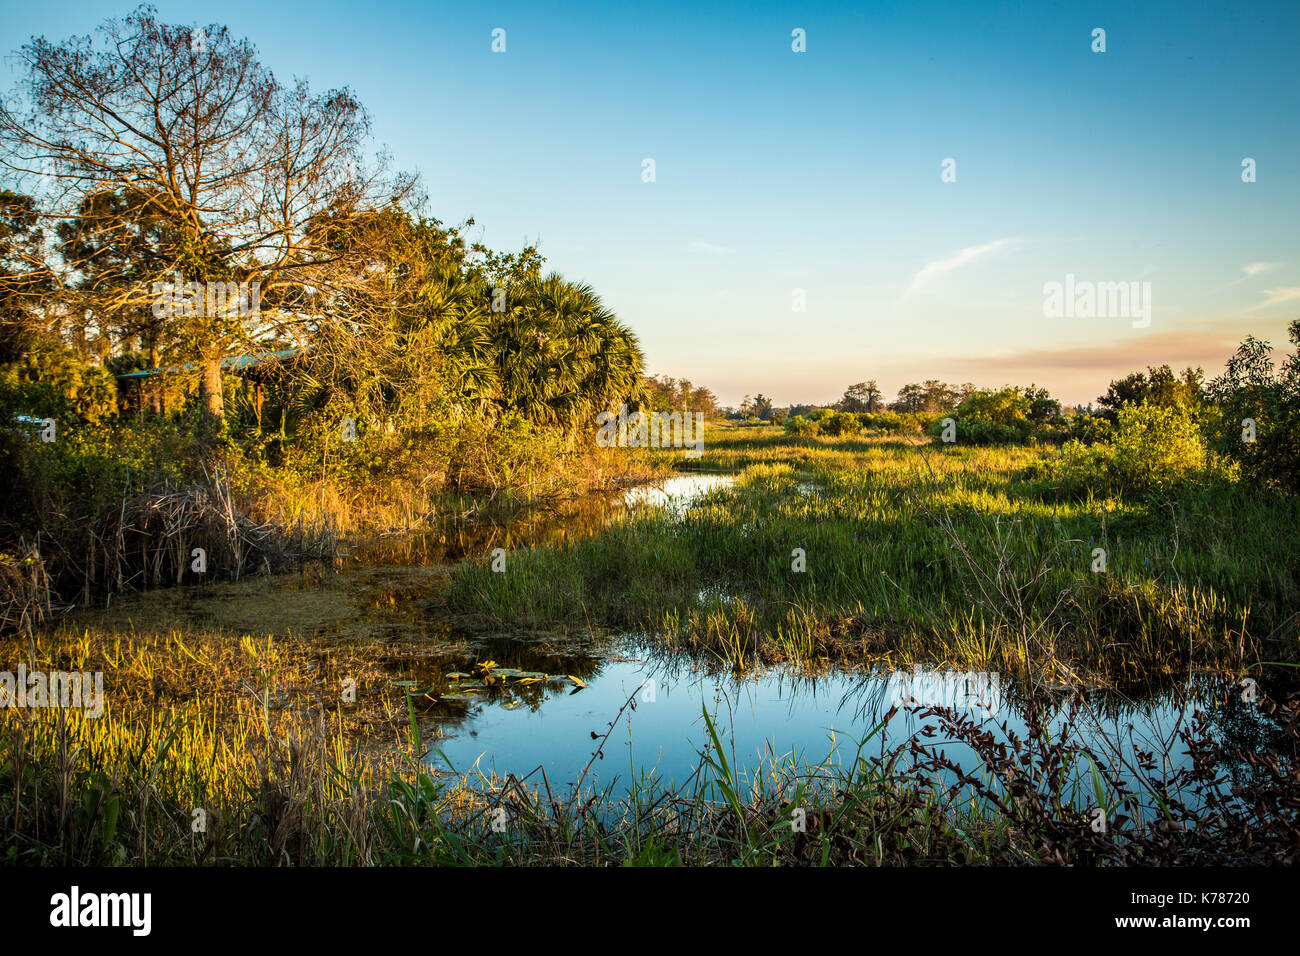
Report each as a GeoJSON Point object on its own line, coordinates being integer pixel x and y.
{"type": "Point", "coordinates": [155, 380]}
{"type": "Point", "coordinates": [210, 388]}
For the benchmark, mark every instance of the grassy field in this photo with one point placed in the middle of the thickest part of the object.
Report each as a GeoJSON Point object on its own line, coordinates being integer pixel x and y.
{"type": "Point", "coordinates": [914, 551]}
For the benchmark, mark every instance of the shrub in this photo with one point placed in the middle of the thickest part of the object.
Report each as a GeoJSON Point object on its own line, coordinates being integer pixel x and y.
{"type": "Point", "coordinates": [56, 383]}
{"type": "Point", "coordinates": [841, 423]}
{"type": "Point", "coordinates": [1154, 448]}
{"type": "Point", "coordinates": [1090, 428]}
{"type": "Point", "coordinates": [1157, 446]}
{"type": "Point", "coordinates": [1250, 388]}
{"type": "Point", "coordinates": [978, 431]}
{"type": "Point", "coordinates": [887, 423]}
{"type": "Point", "coordinates": [798, 425]}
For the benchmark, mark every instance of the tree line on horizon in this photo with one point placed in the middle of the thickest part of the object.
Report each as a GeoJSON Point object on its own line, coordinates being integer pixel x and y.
{"type": "Point", "coordinates": [1147, 424]}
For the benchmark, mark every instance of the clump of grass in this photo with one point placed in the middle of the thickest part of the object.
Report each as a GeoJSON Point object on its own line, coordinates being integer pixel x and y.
{"type": "Point", "coordinates": [26, 598]}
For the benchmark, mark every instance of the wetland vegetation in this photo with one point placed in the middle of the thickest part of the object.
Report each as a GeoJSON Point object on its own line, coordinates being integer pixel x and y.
{"type": "Point", "coordinates": [365, 589]}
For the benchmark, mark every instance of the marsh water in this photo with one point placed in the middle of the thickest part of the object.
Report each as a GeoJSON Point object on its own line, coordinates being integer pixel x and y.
{"type": "Point", "coordinates": [552, 697]}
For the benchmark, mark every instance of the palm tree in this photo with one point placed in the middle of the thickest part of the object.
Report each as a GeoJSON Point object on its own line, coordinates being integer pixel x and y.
{"type": "Point", "coordinates": [561, 355]}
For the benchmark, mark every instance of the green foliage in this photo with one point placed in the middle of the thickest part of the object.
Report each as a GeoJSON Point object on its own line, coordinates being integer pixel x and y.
{"type": "Point", "coordinates": [1153, 448]}
{"type": "Point", "coordinates": [1006, 416]}
{"type": "Point", "coordinates": [54, 382]}
{"type": "Point", "coordinates": [887, 423]}
{"type": "Point", "coordinates": [61, 489]}
{"type": "Point", "coordinates": [1087, 428]}
{"type": "Point", "coordinates": [1156, 386]}
{"type": "Point", "coordinates": [798, 425]}
{"type": "Point", "coordinates": [1157, 446]}
{"type": "Point", "coordinates": [1251, 388]}
{"type": "Point", "coordinates": [837, 424]}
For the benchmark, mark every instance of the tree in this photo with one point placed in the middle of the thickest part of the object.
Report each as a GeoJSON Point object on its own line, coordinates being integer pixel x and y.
{"type": "Point", "coordinates": [938, 396]}
{"type": "Point", "coordinates": [911, 398]}
{"type": "Point", "coordinates": [1259, 421]}
{"type": "Point", "coordinates": [760, 406]}
{"type": "Point", "coordinates": [242, 179]}
{"type": "Point", "coordinates": [24, 277]}
{"type": "Point", "coordinates": [1157, 386]}
{"type": "Point", "coordinates": [562, 356]}
{"type": "Point", "coordinates": [1042, 407]}
{"type": "Point", "coordinates": [862, 397]}
{"type": "Point", "coordinates": [666, 394]}
{"type": "Point", "coordinates": [119, 243]}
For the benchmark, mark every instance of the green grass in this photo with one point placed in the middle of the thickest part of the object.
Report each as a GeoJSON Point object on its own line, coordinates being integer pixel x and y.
{"type": "Point", "coordinates": [913, 551]}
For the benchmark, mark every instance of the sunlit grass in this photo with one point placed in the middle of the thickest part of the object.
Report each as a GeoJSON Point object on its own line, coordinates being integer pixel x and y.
{"type": "Point", "coordinates": [921, 552]}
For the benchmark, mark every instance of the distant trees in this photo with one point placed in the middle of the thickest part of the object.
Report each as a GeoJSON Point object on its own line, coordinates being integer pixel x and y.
{"type": "Point", "coordinates": [665, 394]}
{"type": "Point", "coordinates": [911, 398]}
{"type": "Point", "coordinates": [931, 396]}
{"type": "Point", "coordinates": [759, 406]}
{"type": "Point", "coordinates": [1005, 415]}
{"type": "Point", "coordinates": [1156, 386]}
{"type": "Point", "coordinates": [862, 397]}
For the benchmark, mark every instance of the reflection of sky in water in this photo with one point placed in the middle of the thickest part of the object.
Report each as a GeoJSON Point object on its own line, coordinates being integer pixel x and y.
{"type": "Point", "coordinates": [676, 494]}
{"type": "Point", "coordinates": [775, 715]}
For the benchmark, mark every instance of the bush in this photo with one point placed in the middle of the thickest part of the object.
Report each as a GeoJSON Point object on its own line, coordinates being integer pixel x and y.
{"type": "Point", "coordinates": [887, 423]}
{"type": "Point", "coordinates": [1090, 428]}
{"type": "Point", "coordinates": [977, 431]}
{"type": "Point", "coordinates": [798, 425]}
{"type": "Point", "coordinates": [1251, 389]}
{"type": "Point", "coordinates": [841, 423]}
{"type": "Point", "coordinates": [56, 383]}
{"type": "Point", "coordinates": [1007, 416]}
{"type": "Point", "coordinates": [1155, 446]}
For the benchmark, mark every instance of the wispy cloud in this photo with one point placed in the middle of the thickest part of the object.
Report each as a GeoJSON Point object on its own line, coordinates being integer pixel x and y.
{"type": "Point", "coordinates": [1249, 271]}
{"type": "Point", "coordinates": [699, 245]}
{"type": "Point", "coordinates": [933, 270]}
{"type": "Point", "coordinates": [1288, 293]}
{"type": "Point", "coordinates": [1255, 268]}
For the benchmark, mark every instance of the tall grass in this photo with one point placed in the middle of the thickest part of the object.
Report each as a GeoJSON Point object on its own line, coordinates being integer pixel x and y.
{"type": "Point", "coordinates": [956, 555]}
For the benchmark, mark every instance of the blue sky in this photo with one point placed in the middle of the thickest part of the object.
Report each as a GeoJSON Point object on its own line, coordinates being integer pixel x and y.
{"type": "Point", "coordinates": [821, 170]}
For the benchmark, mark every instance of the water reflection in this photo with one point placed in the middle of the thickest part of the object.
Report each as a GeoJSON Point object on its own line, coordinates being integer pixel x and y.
{"type": "Point", "coordinates": [779, 715]}
{"type": "Point", "coordinates": [675, 495]}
